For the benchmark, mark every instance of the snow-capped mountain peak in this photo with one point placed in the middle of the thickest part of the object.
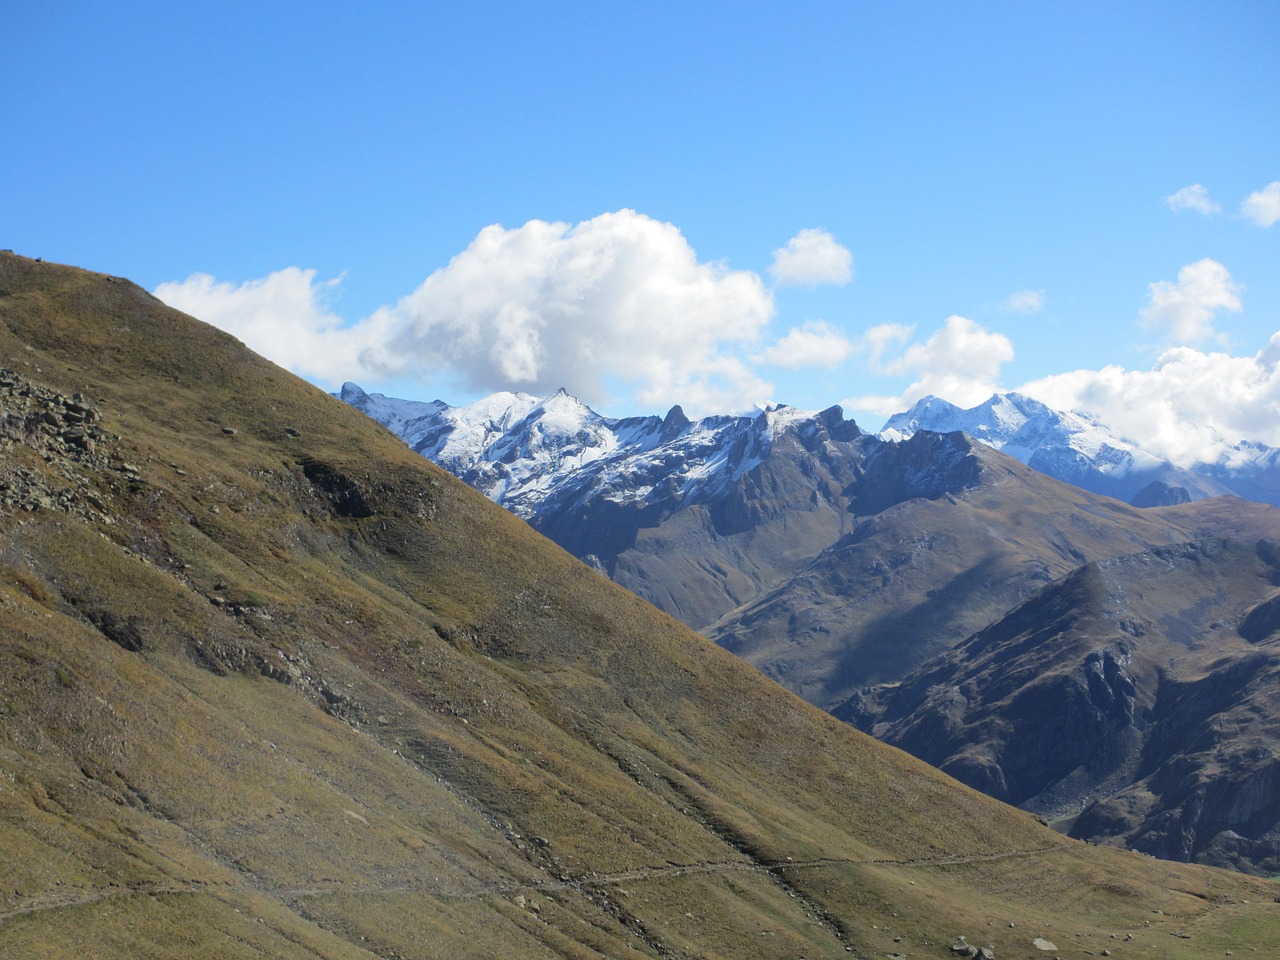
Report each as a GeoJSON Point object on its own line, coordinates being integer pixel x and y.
{"type": "Point", "coordinates": [453, 437]}
{"type": "Point", "coordinates": [996, 422]}
{"type": "Point", "coordinates": [395, 414]}
{"type": "Point", "coordinates": [1066, 445]}
{"type": "Point", "coordinates": [535, 455]}
{"type": "Point", "coordinates": [520, 450]}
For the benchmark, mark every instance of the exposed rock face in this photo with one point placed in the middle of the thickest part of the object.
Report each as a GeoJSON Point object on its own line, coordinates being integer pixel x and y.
{"type": "Point", "coordinates": [340, 491]}
{"type": "Point", "coordinates": [1160, 494]}
{"type": "Point", "coordinates": [1137, 701]}
{"type": "Point", "coordinates": [928, 466]}
{"type": "Point", "coordinates": [56, 451]}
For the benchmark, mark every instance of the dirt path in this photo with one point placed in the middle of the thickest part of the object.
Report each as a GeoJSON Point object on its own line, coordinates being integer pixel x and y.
{"type": "Point", "coordinates": [60, 899]}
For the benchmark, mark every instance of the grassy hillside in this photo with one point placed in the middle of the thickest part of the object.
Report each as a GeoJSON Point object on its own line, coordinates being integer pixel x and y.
{"type": "Point", "coordinates": [271, 685]}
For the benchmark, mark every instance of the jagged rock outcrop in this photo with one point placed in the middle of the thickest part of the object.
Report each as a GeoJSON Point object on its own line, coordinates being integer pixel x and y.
{"type": "Point", "coordinates": [1160, 494]}
{"type": "Point", "coordinates": [1135, 701]}
{"type": "Point", "coordinates": [55, 450]}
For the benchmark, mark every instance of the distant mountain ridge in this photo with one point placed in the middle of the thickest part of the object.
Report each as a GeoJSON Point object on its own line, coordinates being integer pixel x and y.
{"type": "Point", "coordinates": [749, 498]}
{"type": "Point", "coordinates": [843, 564]}
{"type": "Point", "coordinates": [522, 452]}
{"type": "Point", "coordinates": [781, 535]}
{"type": "Point", "coordinates": [476, 441]}
{"type": "Point", "coordinates": [1078, 449]}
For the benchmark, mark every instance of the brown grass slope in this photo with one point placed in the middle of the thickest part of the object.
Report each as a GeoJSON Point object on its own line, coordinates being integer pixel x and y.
{"type": "Point", "coordinates": [290, 691]}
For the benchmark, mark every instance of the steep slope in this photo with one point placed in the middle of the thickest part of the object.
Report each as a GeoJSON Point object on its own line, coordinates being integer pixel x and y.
{"type": "Point", "coordinates": [273, 685]}
{"type": "Point", "coordinates": [1143, 691]}
{"type": "Point", "coordinates": [950, 536]}
{"type": "Point", "coordinates": [696, 517]}
{"type": "Point", "coordinates": [828, 558]}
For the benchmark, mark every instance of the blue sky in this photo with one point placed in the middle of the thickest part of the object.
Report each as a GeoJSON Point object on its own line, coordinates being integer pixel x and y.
{"type": "Point", "coordinates": [319, 179]}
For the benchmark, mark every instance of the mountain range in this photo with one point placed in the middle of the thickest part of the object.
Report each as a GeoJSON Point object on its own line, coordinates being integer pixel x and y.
{"type": "Point", "coordinates": [272, 685]}
{"type": "Point", "coordinates": [1079, 450]}
{"type": "Point", "coordinates": [851, 566]}
{"type": "Point", "coordinates": [748, 499]}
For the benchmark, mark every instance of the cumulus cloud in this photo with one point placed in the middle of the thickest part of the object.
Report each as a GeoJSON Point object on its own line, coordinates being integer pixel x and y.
{"type": "Point", "coordinates": [1184, 311]}
{"type": "Point", "coordinates": [1263, 206]}
{"type": "Point", "coordinates": [814, 343]}
{"type": "Point", "coordinates": [1194, 198]}
{"type": "Point", "coordinates": [549, 304]}
{"type": "Point", "coordinates": [1191, 407]}
{"type": "Point", "coordinates": [877, 341]}
{"type": "Point", "coordinates": [1024, 301]}
{"type": "Point", "coordinates": [812, 257]}
{"type": "Point", "coordinates": [282, 316]}
{"type": "Point", "coordinates": [960, 362]}
{"type": "Point", "coordinates": [618, 298]}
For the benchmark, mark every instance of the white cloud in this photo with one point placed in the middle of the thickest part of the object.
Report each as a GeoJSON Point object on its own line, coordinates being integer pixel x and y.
{"type": "Point", "coordinates": [1263, 206]}
{"type": "Point", "coordinates": [281, 316]}
{"type": "Point", "coordinates": [548, 305]}
{"type": "Point", "coordinates": [1189, 408]}
{"type": "Point", "coordinates": [879, 339]}
{"type": "Point", "coordinates": [1185, 310]}
{"type": "Point", "coordinates": [618, 298]}
{"type": "Point", "coordinates": [1195, 198]}
{"type": "Point", "coordinates": [1024, 301]}
{"type": "Point", "coordinates": [960, 362]}
{"type": "Point", "coordinates": [815, 343]}
{"type": "Point", "coordinates": [812, 257]}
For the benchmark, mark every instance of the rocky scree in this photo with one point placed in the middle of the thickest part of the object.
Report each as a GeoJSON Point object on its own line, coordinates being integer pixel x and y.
{"type": "Point", "coordinates": [55, 450]}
